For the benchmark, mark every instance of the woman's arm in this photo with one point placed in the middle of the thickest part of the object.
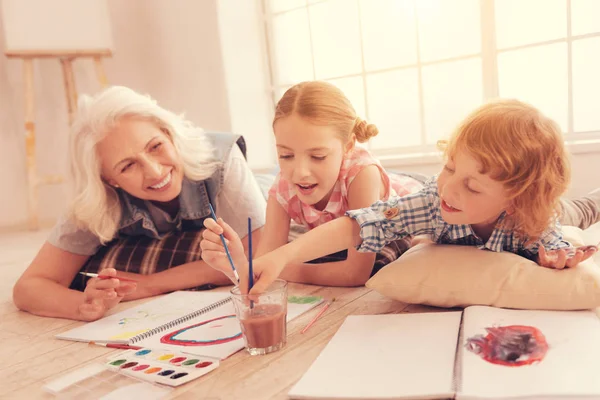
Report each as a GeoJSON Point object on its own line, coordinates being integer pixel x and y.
{"type": "Point", "coordinates": [356, 269]}
{"type": "Point", "coordinates": [43, 289]}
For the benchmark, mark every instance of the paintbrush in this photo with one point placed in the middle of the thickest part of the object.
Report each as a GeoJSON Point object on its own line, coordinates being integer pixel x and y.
{"type": "Point", "coordinates": [250, 270]}
{"type": "Point", "coordinates": [323, 309]}
{"type": "Point", "coordinates": [117, 346]}
{"type": "Point", "coordinates": [92, 275]}
{"type": "Point", "coordinates": [235, 273]}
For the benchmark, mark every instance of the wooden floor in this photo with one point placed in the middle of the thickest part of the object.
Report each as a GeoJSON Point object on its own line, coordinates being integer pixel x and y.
{"type": "Point", "coordinates": [31, 356]}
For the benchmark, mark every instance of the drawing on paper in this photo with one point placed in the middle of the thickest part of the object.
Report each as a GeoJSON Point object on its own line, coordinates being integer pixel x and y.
{"type": "Point", "coordinates": [304, 299]}
{"type": "Point", "coordinates": [512, 345]}
{"type": "Point", "coordinates": [206, 333]}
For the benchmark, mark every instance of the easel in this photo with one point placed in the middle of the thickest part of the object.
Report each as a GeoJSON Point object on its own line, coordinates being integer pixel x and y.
{"type": "Point", "coordinates": [66, 59]}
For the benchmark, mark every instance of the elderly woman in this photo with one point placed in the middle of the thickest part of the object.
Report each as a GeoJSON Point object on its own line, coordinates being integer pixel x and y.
{"type": "Point", "coordinates": [137, 170]}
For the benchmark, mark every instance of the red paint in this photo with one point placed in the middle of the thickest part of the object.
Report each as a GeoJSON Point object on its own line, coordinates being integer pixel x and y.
{"type": "Point", "coordinates": [141, 367]}
{"type": "Point", "coordinates": [511, 346]}
{"type": "Point", "coordinates": [129, 364]}
{"type": "Point", "coordinates": [203, 364]}
{"type": "Point", "coordinates": [177, 360]}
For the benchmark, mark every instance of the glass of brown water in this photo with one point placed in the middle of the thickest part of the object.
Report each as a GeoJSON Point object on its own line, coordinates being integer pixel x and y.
{"type": "Point", "coordinates": [263, 318]}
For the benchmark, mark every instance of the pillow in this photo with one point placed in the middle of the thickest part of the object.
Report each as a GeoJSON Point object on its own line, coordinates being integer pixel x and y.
{"type": "Point", "coordinates": [459, 276]}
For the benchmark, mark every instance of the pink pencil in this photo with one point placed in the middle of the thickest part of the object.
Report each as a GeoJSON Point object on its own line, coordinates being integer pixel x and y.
{"type": "Point", "coordinates": [92, 275]}
{"type": "Point", "coordinates": [323, 309]}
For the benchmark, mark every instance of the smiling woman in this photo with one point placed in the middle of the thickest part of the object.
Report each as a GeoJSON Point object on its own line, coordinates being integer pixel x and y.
{"type": "Point", "coordinates": [138, 171]}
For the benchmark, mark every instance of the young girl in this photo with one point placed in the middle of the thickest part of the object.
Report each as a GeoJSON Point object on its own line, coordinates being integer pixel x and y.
{"type": "Point", "coordinates": [506, 168]}
{"type": "Point", "coordinates": [322, 175]}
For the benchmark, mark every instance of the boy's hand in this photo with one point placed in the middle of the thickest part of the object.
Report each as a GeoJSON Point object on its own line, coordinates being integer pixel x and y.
{"type": "Point", "coordinates": [213, 251]}
{"type": "Point", "coordinates": [570, 258]}
{"type": "Point", "coordinates": [101, 295]}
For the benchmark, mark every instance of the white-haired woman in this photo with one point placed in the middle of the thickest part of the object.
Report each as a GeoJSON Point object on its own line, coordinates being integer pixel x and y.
{"type": "Point", "coordinates": [137, 169]}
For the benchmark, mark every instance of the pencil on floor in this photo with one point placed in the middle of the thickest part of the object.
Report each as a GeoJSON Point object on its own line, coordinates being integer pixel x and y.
{"type": "Point", "coordinates": [323, 309]}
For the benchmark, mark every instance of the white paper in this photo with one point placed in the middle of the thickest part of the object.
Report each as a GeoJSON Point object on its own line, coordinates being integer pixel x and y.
{"type": "Point", "coordinates": [570, 367]}
{"type": "Point", "coordinates": [122, 326]}
{"type": "Point", "coordinates": [384, 357]}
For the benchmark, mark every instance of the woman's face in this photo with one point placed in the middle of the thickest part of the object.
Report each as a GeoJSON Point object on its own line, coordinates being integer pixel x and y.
{"type": "Point", "coordinates": [140, 158]}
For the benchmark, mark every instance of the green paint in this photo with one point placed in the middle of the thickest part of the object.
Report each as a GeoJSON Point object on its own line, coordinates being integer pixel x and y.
{"type": "Point", "coordinates": [303, 299]}
{"type": "Point", "coordinates": [190, 362]}
{"type": "Point", "coordinates": [117, 362]}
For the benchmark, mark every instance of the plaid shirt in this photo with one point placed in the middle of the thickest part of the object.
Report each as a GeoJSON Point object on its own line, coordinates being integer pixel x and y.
{"type": "Point", "coordinates": [420, 214]}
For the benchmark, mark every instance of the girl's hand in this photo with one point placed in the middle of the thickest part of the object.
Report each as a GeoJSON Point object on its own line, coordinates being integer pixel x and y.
{"type": "Point", "coordinates": [266, 269]}
{"type": "Point", "coordinates": [559, 259]}
{"type": "Point", "coordinates": [213, 252]}
{"type": "Point", "coordinates": [101, 295]}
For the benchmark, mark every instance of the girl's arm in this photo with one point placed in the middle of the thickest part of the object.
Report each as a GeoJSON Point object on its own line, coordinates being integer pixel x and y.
{"type": "Point", "coordinates": [276, 229]}
{"type": "Point", "coordinates": [364, 190]}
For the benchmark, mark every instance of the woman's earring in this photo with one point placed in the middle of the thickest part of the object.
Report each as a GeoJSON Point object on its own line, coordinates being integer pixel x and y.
{"type": "Point", "coordinates": [115, 186]}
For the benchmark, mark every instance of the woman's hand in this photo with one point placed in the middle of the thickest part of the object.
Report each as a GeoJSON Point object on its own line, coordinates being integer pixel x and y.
{"type": "Point", "coordinates": [561, 258]}
{"type": "Point", "coordinates": [101, 295]}
{"type": "Point", "coordinates": [213, 251]}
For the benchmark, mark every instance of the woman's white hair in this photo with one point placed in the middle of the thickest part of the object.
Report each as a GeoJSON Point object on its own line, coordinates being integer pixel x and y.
{"type": "Point", "coordinates": [95, 204]}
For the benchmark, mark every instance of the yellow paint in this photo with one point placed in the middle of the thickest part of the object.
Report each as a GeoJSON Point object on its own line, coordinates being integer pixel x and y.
{"type": "Point", "coordinates": [166, 357]}
{"type": "Point", "coordinates": [128, 335]}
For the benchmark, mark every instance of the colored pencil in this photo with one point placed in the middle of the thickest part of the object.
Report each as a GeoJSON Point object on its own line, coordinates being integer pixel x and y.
{"type": "Point", "coordinates": [117, 346]}
{"type": "Point", "coordinates": [323, 309]}
{"type": "Point", "coordinates": [92, 275]}
{"type": "Point", "coordinates": [235, 273]}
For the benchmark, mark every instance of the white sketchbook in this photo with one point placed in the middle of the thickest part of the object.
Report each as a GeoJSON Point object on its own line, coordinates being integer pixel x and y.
{"type": "Point", "coordinates": [201, 323]}
{"type": "Point", "coordinates": [481, 353]}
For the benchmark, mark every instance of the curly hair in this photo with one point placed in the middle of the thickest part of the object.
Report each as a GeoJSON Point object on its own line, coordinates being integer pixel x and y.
{"type": "Point", "coordinates": [523, 149]}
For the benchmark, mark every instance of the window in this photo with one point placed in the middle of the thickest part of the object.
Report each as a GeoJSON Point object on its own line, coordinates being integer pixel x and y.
{"type": "Point", "coordinates": [415, 68]}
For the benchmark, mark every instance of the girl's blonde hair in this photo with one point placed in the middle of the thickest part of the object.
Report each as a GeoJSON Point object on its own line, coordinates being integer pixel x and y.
{"type": "Point", "coordinates": [522, 149]}
{"type": "Point", "coordinates": [95, 205]}
{"type": "Point", "coordinates": [322, 103]}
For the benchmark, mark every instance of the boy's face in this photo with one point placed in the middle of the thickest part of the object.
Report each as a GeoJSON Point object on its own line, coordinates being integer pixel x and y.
{"type": "Point", "coordinates": [469, 197]}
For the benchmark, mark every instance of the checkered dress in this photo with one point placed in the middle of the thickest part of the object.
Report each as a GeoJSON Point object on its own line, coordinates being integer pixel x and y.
{"type": "Point", "coordinates": [419, 214]}
{"type": "Point", "coordinates": [309, 217]}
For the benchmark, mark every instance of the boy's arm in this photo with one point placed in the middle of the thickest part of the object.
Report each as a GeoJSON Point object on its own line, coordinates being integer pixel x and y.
{"type": "Point", "coordinates": [369, 228]}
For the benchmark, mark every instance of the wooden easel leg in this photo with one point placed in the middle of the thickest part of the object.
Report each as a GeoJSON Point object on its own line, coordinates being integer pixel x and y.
{"type": "Point", "coordinates": [32, 179]}
{"type": "Point", "coordinates": [100, 72]}
{"type": "Point", "coordinates": [70, 90]}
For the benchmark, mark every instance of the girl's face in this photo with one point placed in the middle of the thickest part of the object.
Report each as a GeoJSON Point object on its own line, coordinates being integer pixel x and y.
{"type": "Point", "coordinates": [140, 158]}
{"type": "Point", "coordinates": [310, 157]}
{"type": "Point", "coordinates": [469, 197]}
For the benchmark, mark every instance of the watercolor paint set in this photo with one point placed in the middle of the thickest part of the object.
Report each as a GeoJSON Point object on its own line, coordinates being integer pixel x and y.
{"type": "Point", "coordinates": [164, 367]}
{"type": "Point", "coordinates": [95, 381]}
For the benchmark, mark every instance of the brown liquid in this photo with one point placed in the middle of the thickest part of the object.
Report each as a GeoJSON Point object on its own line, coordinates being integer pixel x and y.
{"type": "Point", "coordinates": [264, 325]}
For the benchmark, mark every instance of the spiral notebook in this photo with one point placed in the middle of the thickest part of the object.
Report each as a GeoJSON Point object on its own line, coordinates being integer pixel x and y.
{"type": "Point", "coordinates": [201, 323]}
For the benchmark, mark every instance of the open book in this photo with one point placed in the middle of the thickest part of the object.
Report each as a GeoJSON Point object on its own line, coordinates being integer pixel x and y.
{"type": "Point", "coordinates": [480, 353]}
{"type": "Point", "coordinates": [201, 323]}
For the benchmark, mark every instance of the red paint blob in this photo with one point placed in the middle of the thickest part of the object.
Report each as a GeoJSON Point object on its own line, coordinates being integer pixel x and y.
{"type": "Point", "coordinates": [203, 364]}
{"type": "Point", "coordinates": [511, 346]}
{"type": "Point", "coordinates": [177, 360]}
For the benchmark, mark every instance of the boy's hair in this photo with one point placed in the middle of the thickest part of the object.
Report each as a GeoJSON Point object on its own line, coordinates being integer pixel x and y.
{"type": "Point", "coordinates": [522, 149]}
{"type": "Point", "coordinates": [95, 205]}
{"type": "Point", "coordinates": [322, 103]}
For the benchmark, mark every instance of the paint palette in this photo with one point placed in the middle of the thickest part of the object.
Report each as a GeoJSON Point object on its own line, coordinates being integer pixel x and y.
{"type": "Point", "coordinates": [162, 366]}
{"type": "Point", "coordinates": [94, 381]}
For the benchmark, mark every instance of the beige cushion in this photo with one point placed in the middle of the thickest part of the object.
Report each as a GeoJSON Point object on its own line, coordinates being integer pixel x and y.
{"type": "Point", "coordinates": [458, 276]}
